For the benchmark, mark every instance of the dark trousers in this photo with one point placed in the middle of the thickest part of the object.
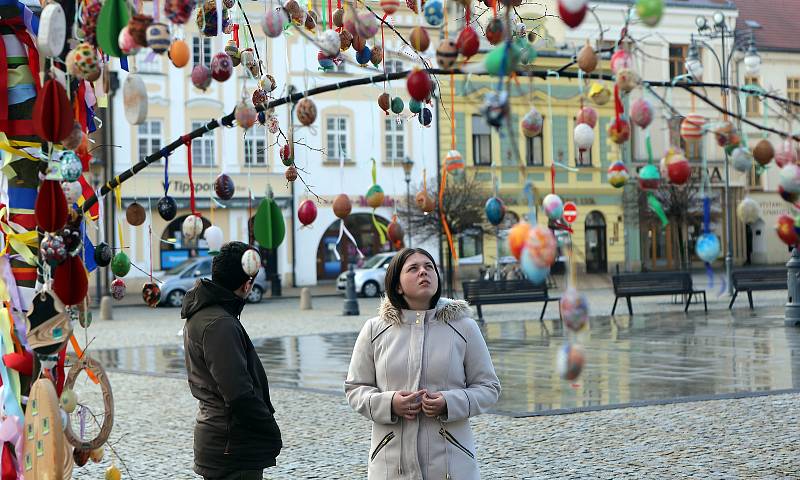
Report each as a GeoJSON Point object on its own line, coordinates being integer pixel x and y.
{"type": "Point", "coordinates": [242, 475]}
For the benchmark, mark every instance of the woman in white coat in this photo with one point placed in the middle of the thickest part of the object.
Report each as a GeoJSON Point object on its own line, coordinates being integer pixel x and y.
{"type": "Point", "coordinates": [419, 370]}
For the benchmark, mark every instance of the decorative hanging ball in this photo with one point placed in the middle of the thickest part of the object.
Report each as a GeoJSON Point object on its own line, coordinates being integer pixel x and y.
{"type": "Point", "coordinates": [179, 11]}
{"type": "Point", "coordinates": [621, 60]}
{"type": "Point", "coordinates": [424, 202]}
{"type": "Point", "coordinates": [52, 249]}
{"type": "Point", "coordinates": [233, 51]}
{"type": "Point", "coordinates": [420, 40]}
{"type": "Point", "coordinates": [495, 108]}
{"type": "Point", "coordinates": [250, 62]}
{"type": "Point", "coordinates": [425, 117]}
{"type": "Point", "coordinates": [290, 174]}
{"type": "Point", "coordinates": [273, 125]}
{"type": "Point", "coordinates": [268, 82]}
{"type": "Point", "coordinates": [397, 105]}
{"type": "Point", "coordinates": [377, 56]}
{"type": "Point", "coordinates": [120, 264]}
{"type": "Point", "coordinates": [617, 174]}
{"type": "Point", "coordinates": [553, 206]}
{"type": "Point", "coordinates": [306, 111]}
{"type": "Point", "coordinates": [583, 137]}
{"type": "Point", "coordinates": [167, 208]}
{"type": "Point", "coordinates": [649, 178]}
{"type": "Point", "coordinates": [366, 24]}
{"type": "Point", "coordinates": [338, 17]}
{"type": "Point", "coordinates": [414, 106]}
{"type": "Point", "coordinates": [692, 127]}
{"type": "Point", "coordinates": [395, 233]}
{"type": "Point", "coordinates": [785, 154]}
{"type": "Point", "coordinates": [434, 12]}
{"type": "Point", "coordinates": [179, 53]}
{"type": "Point", "coordinates": [221, 67]}
{"type": "Point", "coordinates": [118, 288]}
{"type": "Point", "coordinates": [103, 254]}
{"type": "Point", "coordinates": [389, 6]}
{"type": "Point", "coordinates": [192, 227]}
{"type": "Point", "coordinates": [68, 400]}
{"type": "Point", "coordinates": [224, 186]}
{"type": "Point", "coordinates": [468, 42]}
{"type": "Point", "coordinates": [619, 131]}
{"type": "Point", "coordinates": [342, 206]}
{"type": "Point", "coordinates": [138, 25]}
{"type": "Point", "coordinates": [501, 60]}
{"type": "Point", "coordinates": [363, 56]}
{"type": "Point", "coordinates": [74, 139]}
{"type": "Point", "coordinates": [245, 114]}
{"type": "Point", "coordinates": [151, 294]}
{"type": "Point", "coordinates": [650, 11]}
{"type": "Point", "coordinates": [532, 123]}
{"type": "Point", "coordinates": [642, 113]}
{"type": "Point", "coordinates": [201, 77]}
{"type": "Point", "coordinates": [134, 98]}
{"type": "Point", "coordinates": [206, 19]}
{"type": "Point", "coordinates": [599, 94]}
{"type": "Point", "coordinates": [135, 214]}
{"type": "Point", "coordinates": [570, 361]}
{"type": "Point", "coordinates": [85, 62]}
{"type": "Point", "coordinates": [790, 178]}
{"type": "Point", "coordinates": [495, 210]}
{"type": "Point", "coordinates": [534, 273]}
{"type": "Point", "coordinates": [50, 207]}
{"type": "Point", "coordinates": [574, 309]}
{"type": "Point", "coordinates": [572, 12]}
{"type": "Point", "coordinates": [384, 101]}
{"type": "Point", "coordinates": [329, 42]}
{"type": "Point", "coordinates": [587, 58]}
{"type": "Point", "coordinates": [412, 5]}
{"type": "Point", "coordinates": [764, 152]}
{"type": "Point", "coordinates": [126, 43]}
{"type": "Point", "coordinates": [541, 246]}
{"type": "Point", "coordinates": [375, 196]}
{"type": "Point", "coordinates": [358, 43]}
{"type": "Point", "coordinates": [349, 21]}
{"type": "Point", "coordinates": [419, 84]}
{"type": "Point", "coordinates": [325, 62]}
{"type": "Point", "coordinates": [517, 236]}
{"type": "Point", "coordinates": [748, 211]}
{"type": "Point", "coordinates": [495, 30]}
{"type": "Point", "coordinates": [785, 228]}
{"type": "Point", "coordinates": [260, 97]}
{"type": "Point", "coordinates": [627, 80]}
{"type": "Point", "coordinates": [307, 212]}
{"type": "Point", "coordinates": [707, 247]}
{"type": "Point", "coordinates": [53, 30]}
{"type": "Point", "coordinates": [158, 37]}
{"type": "Point", "coordinates": [447, 54]}
{"type": "Point", "coordinates": [71, 166]}
{"type": "Point", "coordinates": [311, 21]}
{"type": "Point", "coordinates": [587, 115]}
{"type": "Point", "coordinates": [675, 166]}
{"type": "Point", "coordinates": [214, 238]}
{"type": "Point", "coordinates": [286, 155]}
{"type": "Point", "coordinates": [52, 113]}
{"type": "Point", "coordinates": [742, 159]}
{"type": "Point", "coordinates": [726, 135]}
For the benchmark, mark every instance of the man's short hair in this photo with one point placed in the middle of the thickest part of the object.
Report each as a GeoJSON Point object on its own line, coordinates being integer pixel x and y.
{"type": "Point", "coordinates": [226, 268]}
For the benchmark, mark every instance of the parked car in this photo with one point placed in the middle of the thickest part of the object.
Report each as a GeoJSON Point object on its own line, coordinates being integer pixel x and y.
{"type": "Point", "coordinates": [369, 277]}
{"type": "Point", "coordinates": [180, 278]}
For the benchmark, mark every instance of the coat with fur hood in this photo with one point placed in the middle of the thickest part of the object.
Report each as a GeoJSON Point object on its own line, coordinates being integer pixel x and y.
{"type": "Point", "coordinates": [441, 350]}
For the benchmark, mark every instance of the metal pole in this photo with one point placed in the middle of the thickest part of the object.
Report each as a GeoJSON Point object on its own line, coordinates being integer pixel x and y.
{"type": "Point", "coordinates": [728, 210]}
{"type": "Point", "coordinates": [408, 206]}
{"type": "Point", "coordinates": [792, 310]}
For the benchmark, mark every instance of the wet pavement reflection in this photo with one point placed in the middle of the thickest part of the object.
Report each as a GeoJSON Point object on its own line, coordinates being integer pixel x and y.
{"type": "Point", "coordinates": [646, 358]}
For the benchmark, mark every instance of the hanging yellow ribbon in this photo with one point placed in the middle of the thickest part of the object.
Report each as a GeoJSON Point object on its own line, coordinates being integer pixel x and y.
{"type": "Point", "coordinates": [19, 239]}
{"type": "Point", "coordinates": [118, 198]}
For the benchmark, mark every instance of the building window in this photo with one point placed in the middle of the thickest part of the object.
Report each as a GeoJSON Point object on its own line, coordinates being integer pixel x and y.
{"type": "Point", "coordinates": [534, 151]}
{"type": "Point", "coordinates": [793, 92]}
{"type": "Point", "coordinates": [336, 136]}
{"type": "Point", "coordinates": [470, 243]}
{"type": "Point", "coordinates": [481, 141]}
{"type": "Point", "coordinates": [197, 51]}
{"type": "Point", "coordinates": [677, 59]}
{"type": "Point", "coordinates": [394, 66]}
{"type": "Point", "coordinates": [149, 138]}
{"type": "Point", "coordinates": [203, 147]}
{"type": "Point", "coordinates": [395, 140]}
{"type": "Point", "coordinates": [255, 147]}
{"type": "Point", "coordinates": [753, 106]}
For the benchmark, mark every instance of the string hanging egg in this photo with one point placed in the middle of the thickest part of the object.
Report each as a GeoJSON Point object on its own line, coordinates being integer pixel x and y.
{"type": "Point", "coordinates": [192, 227]}
{"type": "Point", "coordinates": [446, 54]}
{"type": "Point", "coordinates": [135, 214]}
{"type": "Point", "coordinates": [675, 166]}
{"type": "Point", "coordinates": [233, 51]}
{"type": "Point", "coordinates": [245, 114]}
{"type": "Point", "coordinates": [307, 212]}
{"type": "Point", "coordinates": [420, 41]}
{"type": "Point", "coordinates": [221, 67]}
{"type": "Point", "coordinates": [583, 136]}
{"type": "Point", "coordinates": [587, 115]}
{"type": "Point", "coordinates": [158, 37]}
{"type": "Point", "coordinates": [599, 94]}
{"type": "Point", "coordinates": [786, 231]}
{"type": "Point", "coordinates": [691, 129]}
{"type": "Point", "coordinates": [790, 178]}
{"type": "Point", "coordinates": [389, 6]}
{"type": "Point", "coordinates": [224, 186]}
{"type": "Point", "coordinates": [306, 111]}
{"type": "Point", "coordinates": [342, 206]}
{"type": "Point", "coordinates": [424, 202]}
{"type": "Point", "coordinates": [366, 24]}
{"type": "Point", "coordinates": [179, 53]}
{"type": "Point", "coordinates": [273, 21]}
{"type": "Point", "coordinates": [570, 361]}
{"type": "Point", "coordinates": [572, 12]}
{"type": "Point", "coordinates": [785, 154]}
{"type": "Point", "coordinates": [641, 113]}
{"type": "Point", "coordinates": [587, 58]}
{"type": "Point", "coordinates": [495, 210]}
{"type": "Point", "coordinates": [574, 309]}
{"type": "Point", "coordinates": [118, 288]}
{"type": "Point", "coordinates": [763, 152]}
{"type": "Point", "coordinates": [71, 166]}
{"type": "Point", "coordinates": [419, 84]}
{"type": "Point", "coordinates": [541, 246]}
{"type": "Point", "coordinates": [179, 11]}
{"type": "Point", "coordinates": [425, 117]}
{"type": "Point", "coordinates": [468, 42]}
{"type": "Point", "coordinates": [532, 123]}
{"type": "Point", "coordinates": [167, 207]}
{"type": "Point", "coordinates": [395, 233]}
{"type": "Point", "coordinates": [434, 12]}
{"type": "Point", "coordinates": [126, 43]}
{"type": "Point", "coordinates": [329, 42]}
{"type": "Point", "coordinates": [201, 77]}
{"type": "Point", "coordinates": [649, 178]}
{"type": "Point", "coordinates": [103, 254]}
{"type": "Point", "coordinates": [619, 131]}
{"type": "Point", "coordinates": [384, 102]}
{"type": "Point", "coordinates": [120, 264]}
{"type": "Point", "coordinates": [650, 11]}
{"type": "Point", "coordinates": [517, 237]}
{"type": "Point", "coordinates": [748, 211]}
{"type": "Point", "coordinates": [553, 206]}
{"type": "Point", "coordinates": [708, 247]}
{"type": "Point", "coordinates": [377, 56]}
{"type": "Point", "coordinates": [363, 56]}
{"type": "Point", "coordinates": [495, 31]}
{"type": "Point", "coordinates": [742, 159]}
{"type": "Point", "coordinates": [151, 294]}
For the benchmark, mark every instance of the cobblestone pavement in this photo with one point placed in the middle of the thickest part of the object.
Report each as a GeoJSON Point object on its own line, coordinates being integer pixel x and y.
{"type": "Point", "coordinates": [744, 438]}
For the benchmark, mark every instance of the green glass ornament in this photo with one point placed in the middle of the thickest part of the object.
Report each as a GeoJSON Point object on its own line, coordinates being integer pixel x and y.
{"type": "Point", "coordinates": [650, 11]}
{"type": "Point", "coordinates": [121, 264]}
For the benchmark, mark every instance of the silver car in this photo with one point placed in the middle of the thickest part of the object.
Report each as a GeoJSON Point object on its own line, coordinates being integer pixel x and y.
{"type": "Point", "coordinates": [369, 277]}
{"type": "Point", "coordinates": [180, 278]}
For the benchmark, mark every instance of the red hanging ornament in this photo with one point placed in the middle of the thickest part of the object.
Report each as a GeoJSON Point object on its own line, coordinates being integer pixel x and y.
{"type": "Point", "coordinates": [468, 42]}
{"type": "Point", "coordinates": [70, 282]}
{"type": "Point", "coordinates": [572, 15]}
{"type": "Point", "coordinates": [52, 113]}
{"type": "Point", "coordinates": [307, 212]}
{"type": "Point", "coordinates": [50, 208]}
{"type": "Point", "coordinates": [419, 85]}
{"type": "Point", "coordinates": [395, 232]}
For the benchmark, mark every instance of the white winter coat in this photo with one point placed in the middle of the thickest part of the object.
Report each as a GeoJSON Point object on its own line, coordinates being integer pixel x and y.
{"type": "Point", "coordinates": [441, 350]}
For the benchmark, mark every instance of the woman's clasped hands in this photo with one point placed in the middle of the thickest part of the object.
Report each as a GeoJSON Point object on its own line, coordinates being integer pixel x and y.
{"type": "Point", "coordinates": [408, 404]}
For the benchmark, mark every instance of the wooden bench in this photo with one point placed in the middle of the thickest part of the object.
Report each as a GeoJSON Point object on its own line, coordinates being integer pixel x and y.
{"type": "Point", "coordinates": [756, 279]}
{"type": "Point", "coordinates": [654, 283]}
{"type": "Point", "coordinates": [488, 292]}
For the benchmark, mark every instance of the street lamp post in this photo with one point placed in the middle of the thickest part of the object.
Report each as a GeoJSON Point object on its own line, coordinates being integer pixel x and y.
{"type": "Point", "coordinates": [408, 165]}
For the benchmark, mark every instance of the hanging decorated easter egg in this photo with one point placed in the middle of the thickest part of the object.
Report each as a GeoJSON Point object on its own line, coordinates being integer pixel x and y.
{"type": "Point", "coordinates": [120, 264]}
{"type": "Point", "coordinates": [649, 178]}
{"type": "Point", "coordinates": [599, 94]}
{"type": "Point", "coordinates": [742, 159]}
{"type": "Point", "coordinates": [397, 105]}
{"type": "Point", "coordinates": [587, 115]}
{"type": "Point", "coordinates": [389, 6]}
{"type": "Point", "coordinates": [708, 247]}
{"type": "Point", "coordinates": [179, 53]}
{"type": "Point", "coordinates": [641, 113]}
{"type": "Point", "coordinates": [325, 62]}
{"type": "Point", "coordinates": [68, 400]}
{"type": "Point", "coordinates": [420, 41]}
{"type": "Point", "coordinates": [587, 58]}
{"type": "Point", "coordinates": [127, 44]}
{"type": "Point", "coordinates": [495, 210]}
{"type": "Point", "coordinates": [375, 196]}
{"type": "Point", "coordinates": [434, 12]}
{"type": "Point", "coordinates": [167, 208]}
{"type": "Point", "coordinates": [785, 154]}
{"type": "Point", "coordinates": [786, 231]}
{"type": "Point", "coordinates": [763, 153]}
{"type": "Point", "coordinates": [790, 178]}
{"type": "Point", "coordinates": [617, 174]}
{"type": "Point", "coordinates": [192, 227]}
{"type": "Point", "coordinates": [233, 51]}
{"type": "Point", "coordinates": [788, 196]}
{"type": "Point", "coordinates": [468, 42]}
{"type": "Point", "coordinates": [338, 18]}
{"type": "Point", "coordinates": [535, 274]}
{"type": "Point", "coordinates": [52, 113]}
{"type": "Point", "coordinates": [424, 202]}
{"type": "Point", "coordinates": [52, 249]}
{"type": "Point", "coordinates": [619, 131]}
{"type": "Point", "coordinates": [201, 77]}
{"type": "Point", "coordinates": [85, 63]}
{"type": "Point", "coordinates": [245, 114]}
{"type": "Point", "coordinates": [214, 238]}
{"type": "Point", "coordinates": [676, 166]}
{"type": "Point", "coordinates": [621, 60]}
{"type": "Point", "coordinates": [358, 43]}
{"type": "Point", "coordinates": [583, 137]}
{"type": "Point", "coordinates": [574, 309]}
{"type": "Point", "coordinates": [366, 24]}
{"type": "Point", "coordinates": [50, 207]}
{"type": "Point", "coordinates": [384, 101]}
{"type": "Point", "coordinates": [103, 254]}
{"type": "Point", "coordinates": [329, 42]}
{"type": "Point", "coordinates": [118, 288]}
{"type": "Point", "coordinates": [260, 97]}
{"type": "Point", "coordinates": [377, 55]}
{"type": "Point", "coordinates": [692, 127]}
{"type": "Point", "coordinates": [572, 12]}
{"type": "Point", "coordinates": [158, 37]}
{"type": "Point", "coordinates": [311, 20]}
{"type": "Point", "coordinates": [52, 30]}
{"type": "Point", "coordinates": [307, 212]}
{"type": "Point", "coordinates": [541, 246]}
{"type": "Point", "coordinates": [71, 166]}
{"type": "Point", "coordinates": [419, 84]}
{"type": "Point", "coordinates": [306, 111]}
{"type": "Point", "coordinates": [221, 67]}
{"type": "Point", "coordinates": [290, 174]}
{"type": "Point", "coordinates": [342, 206]}
{"type": "Point", "coordinates": [553, 206]}
{"type": "Point", "coordinates": [363, 56]}
{"type": "Point", "coordinates": [349, 21]}
{"type": "Point", "coordinates": [650, 11]}
{"type": "Point", "coordinates": [286, 154]}
{"type": "Point", "coordinates": [135, 214]}
{"type": "Point", "coordinates": [412, 5]}
{"type": "Point", "coordinates": [726, 135]}
{"type": "Point", "coordinates": [570, 361]}
{"type": "Point", "coordinates": [532, 123]}
{"type": "Point", "coordinates": [224, 186]}
{"type": "Point", "coordinates": [273, 125]}
{"type": "Point", "coordinates": [748, 211]}
{"type": "Point", "coordinates": [267, 82]}
{"type": "Point", "coordinates": [179, 11]}
{"type": "Point", "coordinates": [501, 60]}
{"type": "Point", "coordinates": [113, 473]}
{"type": "Point", "coordinates": [495, 108]}
{"type": "Point", "coordinates": [395, 233]}
{"type": "Point", "coordinates": [517, 236]}
{"type": "Point", "coordinates": [151, 294]}
{"type": "Point", "coordinates": [446, 54]}
{"type": "Point", "coordinates": [627, 80]}
{"type": "Point", "coordinates": [75, 138]}
{"type": "Point", "coordinates": [495, 30]}
{"type": "Point", "coordinates": [425, 117]}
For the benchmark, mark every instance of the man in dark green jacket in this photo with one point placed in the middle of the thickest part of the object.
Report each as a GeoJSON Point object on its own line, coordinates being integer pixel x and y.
{"type": "Point", "coordinates": [236, 436]}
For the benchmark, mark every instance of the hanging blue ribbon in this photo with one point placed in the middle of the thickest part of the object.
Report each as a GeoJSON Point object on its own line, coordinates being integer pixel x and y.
{"type": "Point", "coordinates": [165, 153]}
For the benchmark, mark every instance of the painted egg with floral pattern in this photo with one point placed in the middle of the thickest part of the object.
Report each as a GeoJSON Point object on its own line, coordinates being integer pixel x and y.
{"type": "Point", "coordinates": [434, 12]}
{"type": "Point", "coordinates": [151, 294]}
{"type": "Point", "coordinates": [306, 111]}
{"type": "Point", "coordinates": [118, 288]}
{"type": "Point", "coordinates": [273, 23]}
{"type": "Point", "coordinates": [221, 67]}
{"type": "Point", "coordinates": [224, 186]}
{"type": "Point", "coordinates": [71, 166]}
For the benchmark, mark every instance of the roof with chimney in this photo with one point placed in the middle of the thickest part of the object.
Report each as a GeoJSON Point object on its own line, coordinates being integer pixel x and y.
{"type": "Point", "coordinates": [774, 23]}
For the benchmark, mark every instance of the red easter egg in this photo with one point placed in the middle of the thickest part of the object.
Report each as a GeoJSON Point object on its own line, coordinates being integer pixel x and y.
{"type": "Point", "coordinates": [50, 209]}
{"type": "Point", "coordinates": [495, 31]}
{"type": "Point", "coordinates": [307, 212]}
{"type": "Point", "coordinates": [395, 232]}
{"type": "Point", "coordinates": [570, 18]}
{"type": "Point", "coordinates": [679, 170]}
{"type": "Point", "coordinates": [419, 85]}
{"type": "Point", "coordinates": [70, 281]}
{"type": "Point", "coordinates": [468, 42]}
{"type": "Point", "coordinates": [785, 230]}
{"type": "Point", "coordinates": [587, 115]}
{"type": "Point", "coordinates": [619, 131]}
{"type": "Point", "coordinates": [52, 113]}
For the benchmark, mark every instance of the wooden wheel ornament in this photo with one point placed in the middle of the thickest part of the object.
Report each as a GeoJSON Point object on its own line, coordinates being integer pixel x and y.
{"type": "Point", "coordinates": [93, 366]}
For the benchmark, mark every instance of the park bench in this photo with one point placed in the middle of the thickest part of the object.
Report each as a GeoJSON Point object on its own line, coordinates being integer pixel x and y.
{"type": "Point", "coordinates": [488, 292]}
{"type": "Point", "coordinates": [654, 283]}
{"type": "Point", "coordinates": [756, 279]}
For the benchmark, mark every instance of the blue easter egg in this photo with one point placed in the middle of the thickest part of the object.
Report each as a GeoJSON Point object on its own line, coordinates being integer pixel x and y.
{"type": "Point", "coordinates": [425, 117]}
{"type": "Point", "coordinates": [325, 62]}
{"type": "Point", "coordinates": [434, 12]}
{"type": "Point", "coordinates": [708, 247]}
{"type": "Point", "coordinates": [495, 210]}
{"type": "Point", "coordinates": [533, 272]}
{"type": "Point", "coordinates": [363, 57]}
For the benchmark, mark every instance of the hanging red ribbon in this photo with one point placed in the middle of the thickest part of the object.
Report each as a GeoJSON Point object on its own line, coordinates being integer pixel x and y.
{"type": "Point", "coordinates": [552, 178]}
{"type": "Point", "coordinates": [618, 108]}
{"type": "Point", "coordinates": [18, 27]}
{"type": "Point", "coordinates": [236, 34]}
{"type": "Point", "coordinates": [187, 140]}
